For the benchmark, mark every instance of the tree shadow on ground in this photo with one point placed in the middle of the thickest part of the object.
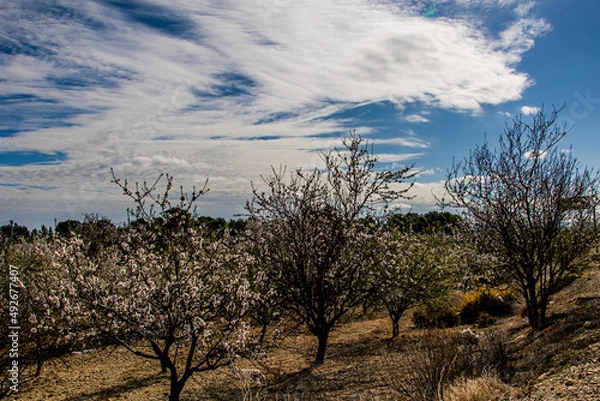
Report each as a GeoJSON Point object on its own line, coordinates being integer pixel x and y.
{"type": "Point", "coordinates": [118, 390]}
{"type": "Point", "coordinates": [292, 386]}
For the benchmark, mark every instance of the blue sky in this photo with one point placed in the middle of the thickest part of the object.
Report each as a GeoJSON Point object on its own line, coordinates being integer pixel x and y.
{"type": "Point", "coordinates": [227, 89]}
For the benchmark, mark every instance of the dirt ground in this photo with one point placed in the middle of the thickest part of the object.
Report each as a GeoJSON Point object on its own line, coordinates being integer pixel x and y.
{"type": "Point", "coordinates": [563, 361]}
{"type": "Point", "coordinates": [560, 363]}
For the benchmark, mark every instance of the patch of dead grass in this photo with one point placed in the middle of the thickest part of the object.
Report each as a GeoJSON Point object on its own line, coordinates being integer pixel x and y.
{"type": "Point", "coordinates": [487, 388]}
{"type": "Point", "coordinates": [360, 358]}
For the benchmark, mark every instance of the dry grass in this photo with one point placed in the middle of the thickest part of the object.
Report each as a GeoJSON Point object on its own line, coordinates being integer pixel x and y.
{"type": "Point", "coordinates": [353, 362]}
{"type": "Point", "coordinates": [488, 388]}
{"type": "Point", "coordinates": [363, 364]}
{"type": "Point", "coordinates": [439, 358]}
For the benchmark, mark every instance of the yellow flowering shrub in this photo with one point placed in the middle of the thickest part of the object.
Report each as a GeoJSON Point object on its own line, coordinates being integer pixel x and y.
{"type": "Point", "coordinates": [494, 301]}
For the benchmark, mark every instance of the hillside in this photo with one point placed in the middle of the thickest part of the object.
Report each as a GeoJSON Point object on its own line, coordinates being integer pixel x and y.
{"type": "Point", "coordinates": [362, 363]}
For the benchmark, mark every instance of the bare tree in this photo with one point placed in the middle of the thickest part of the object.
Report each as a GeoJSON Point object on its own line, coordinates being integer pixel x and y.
{"type": "Point", "coordinates": [317, 233]}
{"type": "Point", "coordinates": [532, 205]}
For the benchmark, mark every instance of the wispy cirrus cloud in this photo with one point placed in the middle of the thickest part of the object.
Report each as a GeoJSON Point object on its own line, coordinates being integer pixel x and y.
{"type": "Point", "coordinates": [416, 118]}
{"type": "Point", "coordinates": [148, 86]}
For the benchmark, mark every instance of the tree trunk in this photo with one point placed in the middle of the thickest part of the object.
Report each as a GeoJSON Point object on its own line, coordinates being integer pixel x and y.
{"type": "Point", "coordinates": [263, 332]}
{"type": "Point", "coordinates": [175, 392]}
{"type": "Point", "coordinates": [395, 312]}
{"type": "Point", "coordinates": [542, 315]}
{"type": "Point", "coordinates": [322, 346]}
{"type": "Point", "coordinates": [395, 327]}
{"type": "Point", "coordinates": [533, 314]}
{"type": "Point", "coordinates": [39, 359]}
{"type": "Point", "coordinates": [533, 317]}
{"type": "Point", "coordinates": [533, 307]}
{"type": "Point", "coordinates": [176, 387]}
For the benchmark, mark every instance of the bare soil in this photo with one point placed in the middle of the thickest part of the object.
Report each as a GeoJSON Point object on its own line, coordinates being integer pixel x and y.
{"type": "Point", "coordinates": [559, 363]}
{"type": "Point", "coordinates": [563, 361]}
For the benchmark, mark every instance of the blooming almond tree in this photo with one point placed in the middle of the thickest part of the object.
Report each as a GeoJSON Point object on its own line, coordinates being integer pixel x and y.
{"type": "Point", "coordinates": [415, 268]}
{"type": "Point", "coordinates": [316, 234]}
{"type": "Point", "coordinates": [38, 299]}
{"type": "Point", "coordinates": [173, 294]}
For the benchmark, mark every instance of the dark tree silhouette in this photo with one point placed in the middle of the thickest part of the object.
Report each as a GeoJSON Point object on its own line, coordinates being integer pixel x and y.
{"type": "Point", "coordinates": [428, 223]}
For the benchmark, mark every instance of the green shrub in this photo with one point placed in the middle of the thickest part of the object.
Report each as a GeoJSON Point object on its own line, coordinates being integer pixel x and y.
{"type": "Point", "coordinates": [485, 320]}
{"type": "Point", "coordinates": [434, 317]}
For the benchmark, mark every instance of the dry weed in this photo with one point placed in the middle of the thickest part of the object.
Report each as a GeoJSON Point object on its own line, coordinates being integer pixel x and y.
{"type": "Point", "coordinates": [487, 388]}
{"type": "Point", "coordinates": [442, 357]}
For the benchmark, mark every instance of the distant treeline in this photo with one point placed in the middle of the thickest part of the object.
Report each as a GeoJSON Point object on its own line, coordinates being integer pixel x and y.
{"type": "Point", "coordinates": [427, 223]}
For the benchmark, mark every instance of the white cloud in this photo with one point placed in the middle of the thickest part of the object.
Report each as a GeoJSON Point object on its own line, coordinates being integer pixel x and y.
{"type": "Point", "coordinates": [529, 110]}
{"type": "Point", "coordinates": [397, 158]}
{"type": "Point", "coordinates": [427, 172]}
{"type": "Point", "coordinates": [416, 118]}
{"type": "Point", "coordinates": [410, 142]}
{"type": "Point", "coordinates": [427, 193]}
{"type": "Point", "coordinates": [146, 101]}
{"type": "Point", "coordinates": [520, 37]}
{"type": "Point", "coordinates": [536, 154]}
{"type": "Point", "coordinates": [524, 8]}
{"type": "Point", "coordinates": [424, 196]}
